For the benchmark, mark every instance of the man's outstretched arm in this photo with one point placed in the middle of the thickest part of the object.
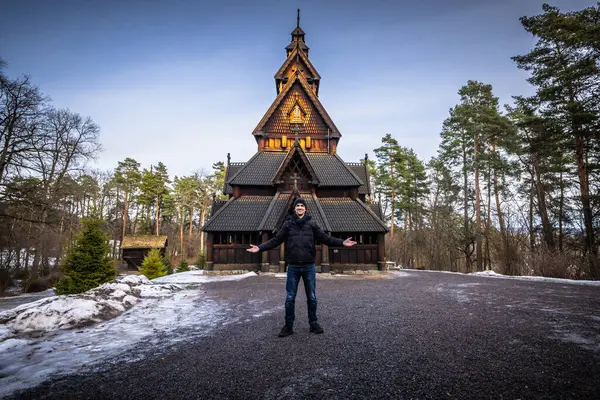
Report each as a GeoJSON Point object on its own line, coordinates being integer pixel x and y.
{"type": "Point", "coordinates": [329, 240]}
{"type": "Point", "coordinates": [274, 242]}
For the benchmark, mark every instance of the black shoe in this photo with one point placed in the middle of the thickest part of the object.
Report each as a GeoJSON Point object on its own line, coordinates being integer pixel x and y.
{"type": "Point", "coordinates": [315, 328]}
{"type": "Point", "coordinates": [286, 330]}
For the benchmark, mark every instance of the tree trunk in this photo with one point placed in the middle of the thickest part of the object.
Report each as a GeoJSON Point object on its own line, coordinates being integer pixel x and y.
{"type": "Point", "coordinates": [531, 193]}
{"type": "Point", "coordinates": [503, 235]}
{"type": "Point", "coordinates": [479, 250]}
{"type": "Point", "coordinates": [181, 213]}
{"type": "Point", "coordinates": [466, 212]}
{"type": "Point", "coordinates": [202, 219]}
{"type": "Point", "coordinates": [541, 198]}
{"type": "Point", "coordinates": [125, 211]}
{"type": "Point", "coordinates": [393, 211]}
{"type": "Point", "coordinates": [156, 215]}
{"type": "Point", "coordinates": [488, 261]}
{"type": "Point", "coordinates": [560, 213]}
{"type": "Point", "coordinates": [584, 188]}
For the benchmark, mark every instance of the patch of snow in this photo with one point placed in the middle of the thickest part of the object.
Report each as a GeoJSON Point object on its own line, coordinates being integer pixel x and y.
{"type": "Point", "coordinates": [105, 302]}
{"type": "Point", "coordinates": [156, 322]}
{"type": "Point", "coordinates": [537, 278]}
{"type": "Point", "coordinates": [525, 278]}
{"type": "Point", "coordinates": [199, 277]}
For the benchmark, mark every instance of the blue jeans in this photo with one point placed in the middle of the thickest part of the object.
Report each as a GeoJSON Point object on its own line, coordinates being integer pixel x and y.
{"type": "Point", "coordinates": [309, 277]}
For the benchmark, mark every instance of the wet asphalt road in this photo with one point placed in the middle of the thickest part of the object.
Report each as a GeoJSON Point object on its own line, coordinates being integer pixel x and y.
{"type": "Point", "coordinates": [418, 335]}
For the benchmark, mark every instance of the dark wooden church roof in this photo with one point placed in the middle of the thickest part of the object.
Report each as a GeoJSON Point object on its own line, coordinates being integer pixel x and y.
{"type": "Point", "coordinates": [360, 170]}
{"type": "Point", "coordinates": [259, 170]}
{"type": "Point", "coordinates": [242, 214]}
{"type": "Point", "coordinates": [267, 213]}
{"type": "Point", "coordinates": [330, 170]}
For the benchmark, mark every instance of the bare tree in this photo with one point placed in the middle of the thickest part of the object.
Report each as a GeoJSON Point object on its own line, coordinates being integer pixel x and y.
{"type": "Point", "coordinates": [21, 105]}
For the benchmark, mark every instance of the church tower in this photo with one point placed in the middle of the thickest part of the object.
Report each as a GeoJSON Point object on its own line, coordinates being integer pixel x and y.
{"type": "Point", "coordinates": [296, 157]}
{"type": "Point", "coordinates": [296, 113]}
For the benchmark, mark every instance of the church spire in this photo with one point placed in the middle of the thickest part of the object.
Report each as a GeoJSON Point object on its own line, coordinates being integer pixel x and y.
{"type": "Point", "coordinates": [297, 38]}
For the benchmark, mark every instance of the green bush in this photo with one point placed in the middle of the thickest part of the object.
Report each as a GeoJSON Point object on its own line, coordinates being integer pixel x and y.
{"type": "Point", "coordinates": [87, 264]}
{"type": "Point", "coordinates": [153, 266]}
{"type": "Point", "coordinates": [201, 261]}
{"type": "Point", "coordinates": [167, 262]}
{"type": "Point", "coordinates": [183, 266]}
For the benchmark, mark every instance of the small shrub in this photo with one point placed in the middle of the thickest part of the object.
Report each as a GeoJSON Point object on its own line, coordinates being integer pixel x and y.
{"type": "Point", "coordinates": [153, 266]}
{"type": "Point", "coordinates": [168, 264]}
{"type": "Point", "coordinates": [183, 266]}
{"type": "Point", "coordinates": [201, 260]}
{"type": "Point", "coordinates": [87, 264]}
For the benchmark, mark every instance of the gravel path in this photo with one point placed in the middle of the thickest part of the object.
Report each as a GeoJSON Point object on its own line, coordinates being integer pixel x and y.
{"type": "Point", "coordinates": [417, 335]}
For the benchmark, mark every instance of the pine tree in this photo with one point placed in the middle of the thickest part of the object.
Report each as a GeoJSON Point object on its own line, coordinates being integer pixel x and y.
{"type": "Point", "coordinates": [153, 266]}
{"type": "Point", "coordinates": [565, 68]}
{"type": "Point", "coordinates": [183, 266]}
{"type": "Point", "coordinates": [387, 176]}
{"type": "Point", "coordinates": [87, 264]}
{"type": "Point", "coordinates": [128, 177]}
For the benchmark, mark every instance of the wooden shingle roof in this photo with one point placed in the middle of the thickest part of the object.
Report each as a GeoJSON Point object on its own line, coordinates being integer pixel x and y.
{"type": "Point", "coordinates": [332, 170]}
{"type": "Point", "coordinates": [239, 215]}
{"type": "Point", "coordinates": [347, 215]}
{"type": "Point", "coordinates": [232, 169]}
{"type": "Point", "coordinates": [263, 167]}
{"type": "Point", "coordinates": [360, 170]}
{"type": "Point", "coordinates": [277, 209]}
{"type": "Point", "coordinates": [267, 213]}
{"type": "Point", "coordinates": [259, 170]}
{"type": "Point", "coordinates": [143, 242]}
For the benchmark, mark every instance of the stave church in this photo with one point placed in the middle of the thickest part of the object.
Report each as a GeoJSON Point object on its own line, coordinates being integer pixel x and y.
{"type": "Point", "coordinates": [297, 143]}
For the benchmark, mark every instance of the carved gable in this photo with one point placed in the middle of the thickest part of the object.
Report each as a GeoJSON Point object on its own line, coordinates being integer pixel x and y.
{"type": "Point", "coordinates": [296, 104]}
{"type": "Point", "coordinates": [295, 172]}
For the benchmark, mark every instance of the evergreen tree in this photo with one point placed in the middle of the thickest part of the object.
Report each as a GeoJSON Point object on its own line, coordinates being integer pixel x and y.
{"type": "Point", "coordinates": [565, 68]}
{"type": "Point", "coordinates": [87, 264]}
{"type": "Point", "coordinates": [168, 265]}
{"type": "Point", "coordinates": [153, 266]}
{"type": "Point", "coordinates": [183, 266]}
{"type": "Point", "coordinates": [387, 175]}
{"type": "Point", "coordinates": [218, 174]}
{"type": "Point", "coordinates": [128, 177]}
{"type": "Point", "coordinates": [154, 190]}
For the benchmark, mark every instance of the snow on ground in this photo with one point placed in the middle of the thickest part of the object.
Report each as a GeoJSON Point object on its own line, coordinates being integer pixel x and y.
{"type": "Point", "coordinates": [493, 274]}
{"type": "Point", "coordinates": [115, 322]}
{"type": "Point", "coordinates": [537, 278]}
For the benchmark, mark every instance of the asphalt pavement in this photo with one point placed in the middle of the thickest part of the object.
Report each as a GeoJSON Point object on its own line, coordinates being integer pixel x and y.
{"type": "Point", "coordinates": [410, 335]}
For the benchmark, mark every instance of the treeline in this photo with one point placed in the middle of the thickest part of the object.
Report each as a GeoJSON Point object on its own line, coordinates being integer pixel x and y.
{"type": "Point", "coordinates": [517, 189]}
{"type": "Point", "coordinates": [46, 189]}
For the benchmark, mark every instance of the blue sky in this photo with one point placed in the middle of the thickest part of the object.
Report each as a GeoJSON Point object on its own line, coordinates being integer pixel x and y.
{"type": "Point", "coordinates": [186, 82]}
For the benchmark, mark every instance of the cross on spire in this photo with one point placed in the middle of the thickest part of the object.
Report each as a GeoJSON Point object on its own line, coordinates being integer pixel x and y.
{"type": "Point", "coordinates": [298, 20]}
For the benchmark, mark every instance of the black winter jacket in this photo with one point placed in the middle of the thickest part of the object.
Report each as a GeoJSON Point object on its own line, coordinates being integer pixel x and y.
{"type": "Point", "coordinates": [300, 236]}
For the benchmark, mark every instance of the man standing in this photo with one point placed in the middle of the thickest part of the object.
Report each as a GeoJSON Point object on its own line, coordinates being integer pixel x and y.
{"type": "Point", "coordinates": [300, 233]}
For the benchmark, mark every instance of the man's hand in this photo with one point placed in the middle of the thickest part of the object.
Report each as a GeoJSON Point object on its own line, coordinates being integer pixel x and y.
{"type": "Point", "coordinates": [349, 242]}
{"type": "Point", "coordinates": [253, 249]}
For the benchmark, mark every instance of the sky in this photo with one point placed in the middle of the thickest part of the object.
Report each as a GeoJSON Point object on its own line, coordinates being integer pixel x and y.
{"type": "Point", "coordinates": [186, 82]}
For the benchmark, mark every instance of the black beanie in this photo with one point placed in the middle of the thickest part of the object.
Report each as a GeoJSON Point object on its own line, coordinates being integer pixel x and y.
{"type": "Point", "coordinates": [300, 200]}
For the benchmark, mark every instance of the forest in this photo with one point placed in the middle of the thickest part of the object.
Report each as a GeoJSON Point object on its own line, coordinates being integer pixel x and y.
{"type": "Point", "coordinates": [514, 188]}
